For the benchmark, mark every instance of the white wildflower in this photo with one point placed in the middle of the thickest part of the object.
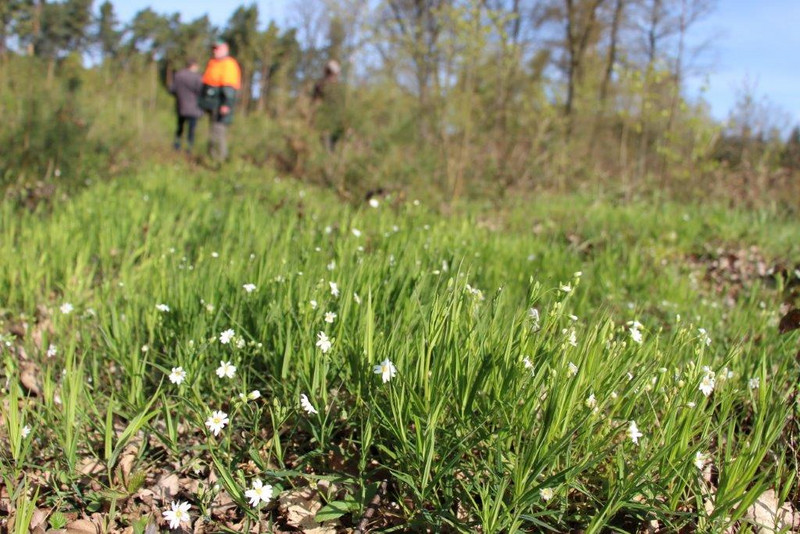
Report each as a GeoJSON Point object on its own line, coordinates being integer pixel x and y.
{"type": "Point", "coordinates": [177, 375]}
{"type": "Point", "coordinates": [313, 304]}
{"type": "Point", "coordinates": [373, 202]}
{"type": "Point", "coordinates": [386, 369]}
{"type": "Point", "coordinates": [179, 513]}
{"type": "Point", "coordinates": [26, 431]}
{"type": "Point", "coordinates": [334, 289]}
{"type": "Point", "coordinates": [635, 325]}
{"type": "Point", "coordinates": [323, 342]}
{"type": "Point", "coordinates": [249, 287]}
{"type": "Point", "coordinates": [217, 421]}
{"type": "Point", "coordinates": [533, 315]}
{"type": "Point", "coordinates": [306, 405]}
{"type": "Point", "coordinates": [475, 292]}
{"type": "Point", "coordinates": [726, 373]}
{"type": "Point", "coordinates": [226, 336]}
{"type": "Point", "coordinates": [707, 384]}
{"type": "Point", "coordinates": [753, 383]}
{"type": "Point", "coordinates": [356, 298]}
{"type": "Point", "coordinates": [226, 370]}
{"type": "Point", "coordinates": [66, 308]}
{"type": "Point", "coordinates": [259, 493]}
{"type": "Point", "coordinates": [705, 339]}
{"type": "Point", "coordinates": [52, 350]}
{"type": "Point", "coordinates": [636, 335]}
{"type": "Point", "coordinates": [572, 369]}
{"type": "Point", "coordinates": [700, 460]}
{"type": "Point", "coordinates": [330, 317]}
{"type": "Point", "coordinates": [162, 308]}
{"type": "Point", "coordinates": [572, 337]}
{"type": "Point", "coordinates": [546, 494]}
{"type": "Point", "coordinates": [633, 432]}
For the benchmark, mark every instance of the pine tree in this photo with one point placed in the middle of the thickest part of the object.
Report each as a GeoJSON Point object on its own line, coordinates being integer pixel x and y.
{"type": "Point", "coordinates": [108, 36]}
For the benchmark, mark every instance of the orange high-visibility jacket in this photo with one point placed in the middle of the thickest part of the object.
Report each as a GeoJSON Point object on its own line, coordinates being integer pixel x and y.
{"type": "Point", "coordinates": [223, 72]}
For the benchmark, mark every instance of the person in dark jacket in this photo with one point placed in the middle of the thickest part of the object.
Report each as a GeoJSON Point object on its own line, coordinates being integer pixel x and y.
{"type": "Point", "coordinates": [329, 106]}
{"type": "Point", "coordinates": [186, 86]}
{"type": "Point", "coordinates": [222, 81]}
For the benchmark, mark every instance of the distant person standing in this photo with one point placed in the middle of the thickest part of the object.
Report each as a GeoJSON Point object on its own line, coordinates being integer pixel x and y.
{"type": "Point", "coordinates": [328, 100]}
{"type": "Point", "coordinates": [221, 83]}
{"type": "Point", "coordinates": [186, 86]}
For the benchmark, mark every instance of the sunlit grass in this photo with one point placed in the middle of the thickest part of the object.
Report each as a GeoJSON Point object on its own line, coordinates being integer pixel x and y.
{"type": "Point", "coordinates": [497, 416]}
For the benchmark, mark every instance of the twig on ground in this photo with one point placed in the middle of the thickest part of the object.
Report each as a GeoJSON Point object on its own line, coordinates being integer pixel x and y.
{"type": "Point", "coordinates": [372, 508]}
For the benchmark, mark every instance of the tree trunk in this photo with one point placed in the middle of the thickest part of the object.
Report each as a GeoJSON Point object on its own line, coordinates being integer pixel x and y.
{"type": "Point", "coordinates": [153, 84]}
{"type": "Point", "coordinates": [571, 53]}
{"type": "Point", "coordinates": [263, 89]}
{"type": "Point", "coordinates": [612, 51]}
{"type": "Point", "coordinates": [577, 43]}
{"type": "Point", "coordinates": [244, 101]}
{"type": "Point", "coordinates": [36, 27]}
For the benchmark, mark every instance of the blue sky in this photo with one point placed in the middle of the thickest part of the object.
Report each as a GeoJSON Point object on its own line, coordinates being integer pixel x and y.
{"type": "Point", "coordinates": [751, 41]}
{"type": "Point", "coordinates": [757, 41]}
{"type": "Point", "coordinates": [218, 11]}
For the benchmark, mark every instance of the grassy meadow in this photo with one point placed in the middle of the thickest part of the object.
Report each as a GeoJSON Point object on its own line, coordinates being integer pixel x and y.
{"type": "Point", "coordinates": [555, 364]}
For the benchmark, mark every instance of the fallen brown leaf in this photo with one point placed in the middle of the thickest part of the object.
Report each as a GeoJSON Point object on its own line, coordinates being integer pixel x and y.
{"type": "Point", "coordinates": [38, 518]}
{"type": "Point", "coordinates": [299, 508]}
{"type": "Point", "coordinates": [126, 464]}
{"type": "Point", "coordinates": [28, 378]}
{"type": "Point", "coordinates": [82, 526]}
{"type": "Point", "coordinates": [90, 466]}
{"type": "Point", "coordinates": [168, 487]}
{"type": "Point", "coordinates": [19, 329]}
{"type": "Point", "coordinates": [221, 504]}
{"type": "Point", "coordinates": [790, 321]}
{"type": "Point", "coordinates": [44, 325]}
{"type": "Point", "coordinates": [146, 496]}
{"type": "Point", "coordinates": [768, 515]}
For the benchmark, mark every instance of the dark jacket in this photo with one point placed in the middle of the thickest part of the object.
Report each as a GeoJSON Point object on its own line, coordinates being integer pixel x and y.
{"type": "Point", "coordinates": [221, 83]}
{"type": "Point", "coordinates": [186, 86]}
{"type": "Point", "coordinates": [328, 97]}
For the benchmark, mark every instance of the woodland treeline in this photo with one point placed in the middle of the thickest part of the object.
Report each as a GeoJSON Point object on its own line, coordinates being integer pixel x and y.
{"type": "Point", "coordinates": [465, 97]}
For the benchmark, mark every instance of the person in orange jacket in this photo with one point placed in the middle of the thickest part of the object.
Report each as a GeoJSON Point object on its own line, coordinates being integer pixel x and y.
{"type": "Point", "coordinates": [222, 81]}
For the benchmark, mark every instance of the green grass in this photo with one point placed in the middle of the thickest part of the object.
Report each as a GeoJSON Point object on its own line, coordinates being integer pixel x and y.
{"type": "Point", "coordinates": [489, 412]}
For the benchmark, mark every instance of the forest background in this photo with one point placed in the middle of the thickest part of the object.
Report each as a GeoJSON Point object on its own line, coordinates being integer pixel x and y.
{"type": "Point", "coordinates": [454, 98]}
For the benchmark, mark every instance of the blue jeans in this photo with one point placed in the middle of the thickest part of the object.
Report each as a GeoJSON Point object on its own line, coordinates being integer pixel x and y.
{"type": "Point", "coordinates": [192, 122]}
